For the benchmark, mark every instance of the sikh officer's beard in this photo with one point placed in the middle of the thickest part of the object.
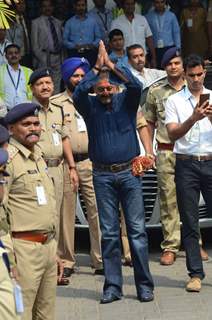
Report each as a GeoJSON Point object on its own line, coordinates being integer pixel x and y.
{"type": "Point", "coordinates": [70, 86]}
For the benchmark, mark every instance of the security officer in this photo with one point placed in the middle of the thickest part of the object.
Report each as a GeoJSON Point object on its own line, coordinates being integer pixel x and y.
{"type": "Point", "coordinates": [7, 301]}
{"type": "Point", "coordinates": [54, 140]}
{"type": "Point", "coordinates": [31, 208]}
{"type": "Point", "coordinates": [165, 161]}
{"type": "Point", "coordinates": [73, 70]}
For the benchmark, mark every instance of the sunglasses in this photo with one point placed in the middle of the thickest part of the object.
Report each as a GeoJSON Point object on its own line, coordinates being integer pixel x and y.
{"type": "Point", "coordinates": [102, 89]}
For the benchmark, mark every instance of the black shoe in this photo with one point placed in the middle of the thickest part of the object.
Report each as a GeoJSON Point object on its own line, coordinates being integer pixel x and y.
{"type": "Point", "coordinates": [146, 296]}
{"type": "Point", "coordinates": [109, 297]}
{"type": "Point", "coordinates": [67, 272]}
{"type": "Point", "coordinates": [63, 282]}
{"type": "Point", "coordinates": [99, 272]}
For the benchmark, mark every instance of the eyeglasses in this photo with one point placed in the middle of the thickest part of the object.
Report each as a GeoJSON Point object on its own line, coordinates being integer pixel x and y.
{"type": "Point", "coordinates": [193, 75]}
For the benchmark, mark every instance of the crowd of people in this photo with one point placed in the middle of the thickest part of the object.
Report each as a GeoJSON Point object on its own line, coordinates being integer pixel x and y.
{"type": "Point", "coordinates": [77, 94]}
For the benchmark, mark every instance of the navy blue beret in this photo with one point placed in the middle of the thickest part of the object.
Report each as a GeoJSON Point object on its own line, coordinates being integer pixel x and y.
{"type": "Point", "coordinates": [39, 73]}
{"type": "Point", "coordinates": [70, 65]}
{"type": "Point", "coordinates": [4, 135]}
{"type": "Point", "coordinates": [3, 156]}
{"type": "Point", "coordinates": [21, 111]}
{"type": "Point", "coordinates": [168, 55]}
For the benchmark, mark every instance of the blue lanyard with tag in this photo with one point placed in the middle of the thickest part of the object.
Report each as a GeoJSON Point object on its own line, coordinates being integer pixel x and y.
{"type": "Point", "coordinates": [12, 80]}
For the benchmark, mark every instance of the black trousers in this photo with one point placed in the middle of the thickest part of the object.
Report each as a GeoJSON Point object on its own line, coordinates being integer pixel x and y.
{"type": "Point", "coordinates": [193, 177]}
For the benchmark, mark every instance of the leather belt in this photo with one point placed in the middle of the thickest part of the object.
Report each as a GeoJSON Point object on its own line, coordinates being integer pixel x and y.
{"type": "Point", "coordinates": [34, 236]}
{"type": "Point", "coordinates": [51, 162]}
{"type": "Point", "coordinates": [165, 146]}
{"type": "Point", "coordinates": [116, 167]}
{"type": "Point", "coordinates": [193, 157]}
{"type": "Point", "coordinates": [80, 156]}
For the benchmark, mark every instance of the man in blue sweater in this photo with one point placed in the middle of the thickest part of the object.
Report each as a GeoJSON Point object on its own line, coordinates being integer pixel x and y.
{"type": "Point", "coordinates": [110, 118]}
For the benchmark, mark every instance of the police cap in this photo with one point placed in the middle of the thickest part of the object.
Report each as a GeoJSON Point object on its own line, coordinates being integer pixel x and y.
{"type": "Point", "coordinates": [39, 73]}
{"type": "Point", "coordinates": [21, 111]}
{"type": "Point", "coordinates": [168, 55]}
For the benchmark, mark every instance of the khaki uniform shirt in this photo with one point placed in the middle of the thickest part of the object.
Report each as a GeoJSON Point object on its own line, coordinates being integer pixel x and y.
{"type": "Point", "coordinates": [155, 108]}
{"type": "Point", "coordinates": [27, 172]}
{"type": "Point", "coordinates": [78, 138]}
{"type": "Point", "coordinates": [53, 131]}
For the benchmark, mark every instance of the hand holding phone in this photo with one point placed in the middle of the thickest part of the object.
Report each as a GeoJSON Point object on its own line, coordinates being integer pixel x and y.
{"type": "Point", "coordinates": [204, 97]}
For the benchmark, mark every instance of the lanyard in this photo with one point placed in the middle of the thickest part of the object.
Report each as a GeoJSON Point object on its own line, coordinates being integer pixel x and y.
{"type": "Point", "coordinates": [160, 21]}
{"type": "Point", "coordinates": [11, 78]}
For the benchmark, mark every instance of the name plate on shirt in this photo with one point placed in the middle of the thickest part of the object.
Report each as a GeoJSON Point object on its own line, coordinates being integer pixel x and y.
{"type": "Point", "coordinates": [41, 196]}
{"type": "Point", "coordinates": [81, 125]}
{"type": "Point", "coordinates": [56, 138]}
{"type": "Point", "coordinates": [189, 23]}
{"type": "Point", "coordinates": [160, 43]}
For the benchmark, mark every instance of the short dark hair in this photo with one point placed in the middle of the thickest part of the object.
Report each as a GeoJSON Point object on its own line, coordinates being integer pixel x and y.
{"type": "Point", "coordinates": [192, 61]}
{"type": "Point", "coordinates": [12, 45]}
{"type": "Point", "coordinates": [115, 32]}
{"type": "Point", "coordinates": [133, 47]}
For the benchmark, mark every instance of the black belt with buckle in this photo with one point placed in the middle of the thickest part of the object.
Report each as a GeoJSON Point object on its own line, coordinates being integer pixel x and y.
{"type": "Point", "coordinates": [116, 167]}
{"type": "Point", "coordinates": [193, 157]}
{"type": "Point", "coordinates": [80, 156]}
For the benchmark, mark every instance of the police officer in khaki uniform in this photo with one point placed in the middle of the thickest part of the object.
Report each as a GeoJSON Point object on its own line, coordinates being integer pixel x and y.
{"type": "Point", "coordinates": [73, 70]}
{"type": "Point", "coordinates": [54, 140]}
{"type": "Point", "coordinates": [165, 161]}
{"type": "Point", "coordinates": [31, 208]}
{"type": "Point", "coordinates": [7, 301]}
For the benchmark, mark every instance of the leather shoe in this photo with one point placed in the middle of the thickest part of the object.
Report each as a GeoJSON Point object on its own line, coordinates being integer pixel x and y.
{"type": "Point", "coordinates": [167, 258]}
{"type": "Point", "coordinates": [146, 296]}
{"type": "Point", "coordinates": [67, 272]}
{"type": "Point", "coordinates": [99, 272]}
{"type": "Point", "coordinates": [109, 297]}
{"type": "Point", "coordinates": [204, 254]}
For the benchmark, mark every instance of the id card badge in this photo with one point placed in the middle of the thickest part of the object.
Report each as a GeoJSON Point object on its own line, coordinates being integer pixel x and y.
{"type": "Point", "coordinates": [194, 133]}
{"type": "Point", "coordinates": [56, 138]}
{"type": "Point", "coordinates": [81, 125]}
{"type": "Point", "coordinates": [190, 23]}
{"type": "Point", "coordinates": [18, 298]}
{"type": "Point", "coordinates": [41, 196]}
{"type": "Point", "coordinates": [160, 43]}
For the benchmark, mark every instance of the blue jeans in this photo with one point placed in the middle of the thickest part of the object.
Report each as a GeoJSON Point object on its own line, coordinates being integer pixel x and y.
{"type": "Point", "coordinates": [191, 177]}
{"type": "Point", "coordinates": [112, 189]}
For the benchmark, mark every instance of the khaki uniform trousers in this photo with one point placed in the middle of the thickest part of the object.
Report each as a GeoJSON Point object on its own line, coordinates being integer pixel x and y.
{"type": "Point", "coordinates": [169, 214]}
{"type": "Point", "coordinates": [7, 302]}
{"type": "Point", "coordinates": [67, 225]}
{"type": "Point", "coordinates": [56, 173]}
{"type": "Point", "coordinates": [37, 276]}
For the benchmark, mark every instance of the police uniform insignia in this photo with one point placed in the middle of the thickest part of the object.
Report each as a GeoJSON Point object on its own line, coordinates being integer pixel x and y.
{"type": "Point", "coordinates": [12, 151]}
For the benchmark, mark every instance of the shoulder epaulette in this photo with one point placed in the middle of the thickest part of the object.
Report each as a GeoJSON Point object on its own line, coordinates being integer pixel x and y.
{"type": "Point", "coordinates": [12, 151]}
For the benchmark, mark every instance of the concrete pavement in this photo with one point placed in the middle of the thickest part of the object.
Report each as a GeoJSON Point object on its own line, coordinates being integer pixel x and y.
{"type": "Point", "coordinates": [80, 300]}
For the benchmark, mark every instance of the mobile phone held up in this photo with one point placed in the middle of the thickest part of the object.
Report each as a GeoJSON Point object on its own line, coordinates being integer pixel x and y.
{"type": "Point", "coordinates": [204, 97]}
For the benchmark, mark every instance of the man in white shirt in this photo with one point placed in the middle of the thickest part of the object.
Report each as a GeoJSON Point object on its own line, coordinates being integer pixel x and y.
{"type": "Point", "coordinates": [14, 79]}
{"type": "Point", "coordinates": [188, 121]}
{"type": "Point", "coordinates": [147, 76]}
{"type": "Point", "coordinates": [135, 29]}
